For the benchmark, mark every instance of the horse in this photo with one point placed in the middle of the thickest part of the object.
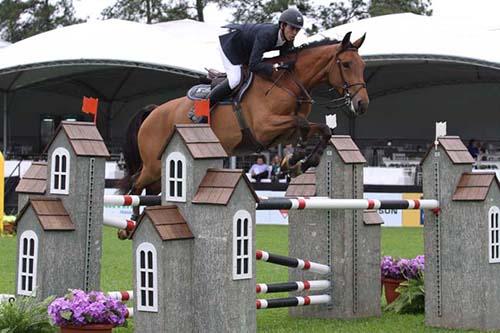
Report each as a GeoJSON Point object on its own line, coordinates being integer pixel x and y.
{"type": "Point", "coordinates": [275, 111]}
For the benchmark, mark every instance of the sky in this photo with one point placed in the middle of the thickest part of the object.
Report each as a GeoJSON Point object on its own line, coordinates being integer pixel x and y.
{"type": "Point", "coordinates": [477, 9]}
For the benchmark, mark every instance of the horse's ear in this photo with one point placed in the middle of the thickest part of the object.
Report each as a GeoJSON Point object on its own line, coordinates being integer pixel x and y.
{"type": "Point", "coordinates": [346, 41]}
{"type": "Point", "coordinates": [357, 44]}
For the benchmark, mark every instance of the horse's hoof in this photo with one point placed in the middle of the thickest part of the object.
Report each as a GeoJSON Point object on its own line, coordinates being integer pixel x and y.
{"type": "Point", "coordinates": [285, 163]}
{"type": "Point", "coordinates": [296, 170]}
{"type": "Point", "coordinates": [123, 234]}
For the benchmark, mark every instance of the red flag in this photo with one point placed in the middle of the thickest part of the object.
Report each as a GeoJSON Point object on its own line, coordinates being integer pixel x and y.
{"type": "Point", "coordinates": [89, 106]}
{"type": "Point", "coordinates": [202, 108]}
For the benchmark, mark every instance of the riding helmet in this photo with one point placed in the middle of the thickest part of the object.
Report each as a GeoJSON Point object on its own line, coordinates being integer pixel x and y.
{"type": "Point", "coordinates": [292, 17]}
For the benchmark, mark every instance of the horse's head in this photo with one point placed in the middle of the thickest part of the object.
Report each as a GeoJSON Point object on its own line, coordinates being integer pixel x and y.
{"type": "Point", "coordinates": [345, 74]}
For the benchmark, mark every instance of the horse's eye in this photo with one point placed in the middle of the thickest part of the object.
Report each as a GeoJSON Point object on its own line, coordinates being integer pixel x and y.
{"type": "Point", "coordinates": [346, 64]}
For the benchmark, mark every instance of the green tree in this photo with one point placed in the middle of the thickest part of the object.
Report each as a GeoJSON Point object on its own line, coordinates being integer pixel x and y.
{"type": "Point", "coordinates": [337, 13]}
{"type": "Point", "coordinates": [21, 19]}
{"type": "Point", "coordinates": [153, 11]}
{"type": "Point", "coordinates": [384, 7]}
{"type": "Point", "coordinates": [257, 11]}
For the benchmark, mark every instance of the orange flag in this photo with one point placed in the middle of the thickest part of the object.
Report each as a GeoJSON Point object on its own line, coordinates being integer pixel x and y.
{"type": "Point", "coordinates": [89, 106]}
{"type": "Point", "coordinates": [202, 108]}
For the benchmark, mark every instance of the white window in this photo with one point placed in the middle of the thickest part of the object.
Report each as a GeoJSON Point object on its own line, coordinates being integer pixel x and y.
{"type": "Point", "coordinates": [176, 177]}
{"type": "Point", "coordinates": [59, 172]}
{"type": "Point", "coordinates": [146, 274]}
{"type": "Point", "coordinates": [494, 230]}
{"type": "Point", "coordinates": [242, 245]}
{"type": "Point", "coordinates": [28, 257]}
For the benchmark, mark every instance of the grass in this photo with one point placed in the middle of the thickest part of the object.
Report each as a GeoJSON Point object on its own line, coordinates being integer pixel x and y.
{"type": "Point", "coordinates": [117, 275]}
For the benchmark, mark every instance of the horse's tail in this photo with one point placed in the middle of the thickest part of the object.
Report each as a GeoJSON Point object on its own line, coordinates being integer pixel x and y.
{"type": "Point", "coordinates": [133, 162]}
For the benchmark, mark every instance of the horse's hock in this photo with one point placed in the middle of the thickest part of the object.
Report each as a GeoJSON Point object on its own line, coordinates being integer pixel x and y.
{"type": "Point", "coordinates": [202, 237]}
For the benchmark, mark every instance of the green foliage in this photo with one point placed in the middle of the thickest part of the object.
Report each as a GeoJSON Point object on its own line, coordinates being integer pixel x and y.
{"type": "Point", "coordinates": [385, 7]}
{"type": "Point", "coordinates": [20, 19]}
{"type": "Point", "coordinates": [148, 11]}
{"type": "Point", "coordinates": [257, 11]}
{"type": "Point", "coordinates": [411, 298]}
{"type": "Point", "coordinates": [25, 315]}
{"type": "Point", "coordinates": [337, 13]}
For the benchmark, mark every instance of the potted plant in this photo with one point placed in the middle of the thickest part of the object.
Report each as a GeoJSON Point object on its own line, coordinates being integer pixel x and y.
{"type": "Point", "coordinates": [411, 298]}
{"type": "Point", "coordinates": [79, 311]}
{"type": "Point", "coordinates": [25, 314]}
{"type": "Point", "coordinates": [394, 271]}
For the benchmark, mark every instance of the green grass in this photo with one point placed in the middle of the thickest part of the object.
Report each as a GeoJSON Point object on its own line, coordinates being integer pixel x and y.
{"type": "Point", "coordinates": [117, 275]}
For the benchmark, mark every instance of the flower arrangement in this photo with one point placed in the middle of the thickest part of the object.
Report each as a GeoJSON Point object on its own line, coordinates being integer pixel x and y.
{"type": "Point", "coordinates": [79, 308]}
{"type": "Point", "coordinates": [402, 269]}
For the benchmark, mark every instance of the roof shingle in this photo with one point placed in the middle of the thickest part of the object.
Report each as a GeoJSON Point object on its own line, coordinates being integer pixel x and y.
{"type": "Point", "coordinates": [303, 185]}
{"type": "Point", "coordinates": [347, 149]}
{"type": "Point", "coordinates": [473, 186]}
{"type": "Point", "coordinates": [34, 179]}
{"type": "Point", "coordinates": [168, 222]}
{"type": "Point", "coordinates": [50, 213]}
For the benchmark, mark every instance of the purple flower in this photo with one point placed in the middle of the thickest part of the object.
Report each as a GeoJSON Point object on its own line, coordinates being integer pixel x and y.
{"type": "Point", "coordinates": [80, 308]}
{"type": "Point", "coordinates": [401, 268]}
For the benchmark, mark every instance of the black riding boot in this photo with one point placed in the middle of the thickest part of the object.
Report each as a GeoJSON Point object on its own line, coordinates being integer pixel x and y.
{"type": "Point", "coordinates": [219, 92]}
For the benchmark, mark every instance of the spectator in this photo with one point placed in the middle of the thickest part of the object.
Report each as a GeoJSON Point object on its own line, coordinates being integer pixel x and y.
{"type": "Point", "coordinates": [260, 169]}
{"type": "Point", "coordinates": [288, 150]}
{"type": "Point", "coordinates": [473, 148]}
{"type": "Point", "coordinates": [276, 169]}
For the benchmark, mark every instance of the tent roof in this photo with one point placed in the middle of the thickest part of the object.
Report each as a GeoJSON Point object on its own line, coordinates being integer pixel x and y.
{"type": "Point", "coordinates": [411, 38]}
{"type": "Point", "coordinates": [182, 47]}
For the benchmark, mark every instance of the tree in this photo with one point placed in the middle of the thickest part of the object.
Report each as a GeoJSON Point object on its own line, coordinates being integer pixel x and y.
{"type": "Point", "coordinates": [21, 19]}
{"type": "Point", "coordinates": [337, 13]}
{"type": "Point", "coordinates": [152, 11]}
{"type": "Point", "coordinates": [256, 11]}
{"type": "Point", "coordinates": [384, 7]}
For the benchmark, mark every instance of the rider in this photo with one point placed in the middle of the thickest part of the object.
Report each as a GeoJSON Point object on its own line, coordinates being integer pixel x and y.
{"type": "Point", "coordinates": [245, 44]}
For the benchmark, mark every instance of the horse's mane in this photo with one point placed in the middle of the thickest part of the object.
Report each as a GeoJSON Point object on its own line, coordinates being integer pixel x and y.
{"type": "Point", "coordinates": [310, 45]}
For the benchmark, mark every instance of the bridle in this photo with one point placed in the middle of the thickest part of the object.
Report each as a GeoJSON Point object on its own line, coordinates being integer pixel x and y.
{"type": "Point", "coordinates": [347, 97]}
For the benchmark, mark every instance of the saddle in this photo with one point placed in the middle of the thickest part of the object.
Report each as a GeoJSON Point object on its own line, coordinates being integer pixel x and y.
{"type": "Point", "coordinates": [214, 77]}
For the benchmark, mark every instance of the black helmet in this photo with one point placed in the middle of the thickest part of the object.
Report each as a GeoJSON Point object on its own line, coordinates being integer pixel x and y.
{"type": "Point", "coordinates": [292, 17]}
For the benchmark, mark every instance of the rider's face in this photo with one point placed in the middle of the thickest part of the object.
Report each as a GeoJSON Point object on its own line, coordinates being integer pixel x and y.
{"type": "Point", "coordinates": [290, 32]}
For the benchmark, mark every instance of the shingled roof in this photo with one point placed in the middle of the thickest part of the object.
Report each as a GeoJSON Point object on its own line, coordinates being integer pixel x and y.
{"type": "Point", "coordinates": [50, 212]}
{"type": "Point", "coordinates": [455, 149]}
{"type": "Point", "coordinates": [34, 180]}
{"type": "Point", "coordinates": [84, 138]}
{"type": "Point", "coordinates": [218, 186]}
{"type": "Point", "coordinates": [474, 186]}
{"type": "Point", "coordinates": [347, 149]}
{"type": "Point", "coordinates": [200, 140]}
{"type": "Point", "coordinates": [303, 185]}
{"type": "Point", "coordinates": [168, 222]}
{"type": "Point", "coordinates": [371, 217]}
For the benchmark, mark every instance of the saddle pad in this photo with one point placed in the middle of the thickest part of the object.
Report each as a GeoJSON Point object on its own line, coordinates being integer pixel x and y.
{"type": "Point", "coordinates": [198, 92]}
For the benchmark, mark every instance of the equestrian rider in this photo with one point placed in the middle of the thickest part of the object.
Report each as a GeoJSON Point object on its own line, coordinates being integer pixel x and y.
{"type": "Point", "coordinates": [245, 44]}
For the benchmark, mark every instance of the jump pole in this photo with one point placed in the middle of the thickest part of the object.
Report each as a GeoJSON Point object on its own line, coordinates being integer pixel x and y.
{"type": "Point", "coordinates": [311, 203]}
{"type": "Point", "coordinates": [313, 285]}
{"type": "Point", "coordinates": [305, 265]}
{"type": "Point", "coordinates": [120, 223]}
{"type": "Point", "coordinates": [132, 200]}
{"type": "Point", "coordinates": [292, 301]}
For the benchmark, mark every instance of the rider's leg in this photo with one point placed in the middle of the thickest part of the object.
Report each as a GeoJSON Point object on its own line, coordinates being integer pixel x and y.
{"type": "Point", "coordinates": [225, 87]}
{"type": "Point", "coordinates": [219, 92]}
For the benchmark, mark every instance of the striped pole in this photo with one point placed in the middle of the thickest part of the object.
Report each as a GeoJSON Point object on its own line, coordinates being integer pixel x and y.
{"type": "Point", "coordinates": [303, 203]}
{"type": "Point", "coordinates": [132, 200]}
{"type": "Point", "coordinates": [129, 313]}
{"type": "Point", "coordinates": [126, 295]}
{"type": "Point", "coordinates": [265, 288]}
{"type": "Point", "coordinates": [120, 223]}
{"type": "Point", "coordinates": [292, 301]}
{"type": "Point", "coordinates": [305, 265]}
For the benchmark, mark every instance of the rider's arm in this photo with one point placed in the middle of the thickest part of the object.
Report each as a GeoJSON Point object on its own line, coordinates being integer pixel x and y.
{"type": "Point", "coordinates": [255, 64]}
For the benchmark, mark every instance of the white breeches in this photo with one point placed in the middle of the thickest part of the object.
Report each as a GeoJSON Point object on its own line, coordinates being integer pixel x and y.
{"type": "Point", "coordinates": [233, 71]}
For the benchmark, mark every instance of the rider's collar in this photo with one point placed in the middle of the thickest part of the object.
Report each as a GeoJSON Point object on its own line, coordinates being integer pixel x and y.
{"type": "Point", "coordinates": [281, 39]}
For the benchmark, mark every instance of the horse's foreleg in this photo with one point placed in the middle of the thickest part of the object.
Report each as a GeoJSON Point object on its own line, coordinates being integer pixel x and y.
{"type": "Point", "coordinates": [324, 133]}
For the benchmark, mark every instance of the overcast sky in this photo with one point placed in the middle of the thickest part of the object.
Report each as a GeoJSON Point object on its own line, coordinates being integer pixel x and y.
{"type": "Point", "coordinates": [478, 9]}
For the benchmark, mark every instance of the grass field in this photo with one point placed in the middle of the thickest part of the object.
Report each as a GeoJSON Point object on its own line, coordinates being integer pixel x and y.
{"type": "Point", "coordinates": [117, 275]}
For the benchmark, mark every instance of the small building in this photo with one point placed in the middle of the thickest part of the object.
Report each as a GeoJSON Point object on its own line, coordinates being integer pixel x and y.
{"type": "Point", "coordinates": [346, 240]}
{"type": "Point", "coordinates": [202, 248]}
{"type": "Point", "coordinates": [59, 244]}
{"type": "Point", "coordinates": [462, 242]}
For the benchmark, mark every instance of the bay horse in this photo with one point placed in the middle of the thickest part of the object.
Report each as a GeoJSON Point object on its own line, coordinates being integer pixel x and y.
{"type": "Point", "coordinates": [275, 110]}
